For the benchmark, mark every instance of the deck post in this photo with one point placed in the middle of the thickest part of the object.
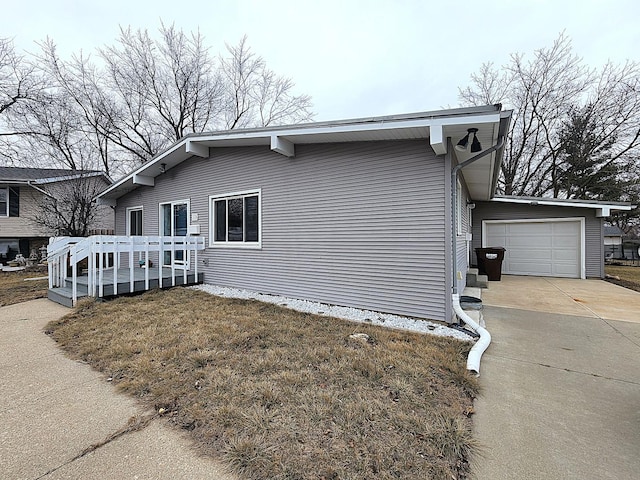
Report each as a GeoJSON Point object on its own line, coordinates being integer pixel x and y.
{"type": "Point", "coordinates": [65, 261]}
{"type": "Point", "coordinates": [173, 261]}
{"type": "Point", "coordinates": [185, 258]}
{"type": "Point", "coordinates": [146, 262]}
{"type": "Point", "coordinates": [90, 271]}
{"type": "Point", "coordinates": [195, 260]}
{"type": "Point", "coordinates": [131, 266]}
{"type": "Point", "coordinates": [160, 260]}
{"type": "Point", "coordinates": [100, 268]}
{"type": "Point", "coordinates": [74, 277]}
{"type": "Point", "coordinates": [116, 264]}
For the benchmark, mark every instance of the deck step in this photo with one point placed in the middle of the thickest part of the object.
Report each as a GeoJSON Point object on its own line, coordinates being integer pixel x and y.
{"type": "Point", "coordinates": [63, 296]}
{"type": "Point", "coordinates": [475, 279]}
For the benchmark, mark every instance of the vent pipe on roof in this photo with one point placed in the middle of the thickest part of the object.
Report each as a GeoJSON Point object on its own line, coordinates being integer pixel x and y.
{"type": "Point", "coordinates": [473, 360]}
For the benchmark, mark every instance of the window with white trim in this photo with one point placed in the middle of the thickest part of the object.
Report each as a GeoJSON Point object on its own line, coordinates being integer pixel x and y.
{"type": "Point", "coordinates": [236, 219]}
{"type": "Point", "coordinates": [4, 202]}
{"type": "Point", "coordinates": [134, 221]}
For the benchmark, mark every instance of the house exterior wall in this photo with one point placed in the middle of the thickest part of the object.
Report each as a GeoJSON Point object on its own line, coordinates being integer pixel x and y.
{"type": "Point", "coordinates": [22, 226]}
{"type": "Point", "coordinates": [361, 224]}
{"type": "Point", "coordinates": [462, 245]}
{"type": "Point", "coordinates": [594, 255]}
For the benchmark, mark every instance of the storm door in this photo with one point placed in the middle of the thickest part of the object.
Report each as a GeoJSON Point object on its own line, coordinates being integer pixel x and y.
{"type": "Point", "coordinates": [174, 221]}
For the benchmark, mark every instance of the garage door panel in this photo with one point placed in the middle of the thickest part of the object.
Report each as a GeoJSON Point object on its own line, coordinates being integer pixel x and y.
{"type": "Point", "coordinates": [561, 270]}
{"type": "Point", "coordinates": [565, 256]}
{"type": "Point", "coordinates": [544, 248]}
{"type": "Point", "coordinates": [526, 241]}
{"type": "Point", "coordinates": [566, 228]}
{"type": "Point", "coordinates": [532, 255]}
{"type": "Point", "coordinates": [529, 268]}
{"type": "Point", "coordinates": [564, 242]}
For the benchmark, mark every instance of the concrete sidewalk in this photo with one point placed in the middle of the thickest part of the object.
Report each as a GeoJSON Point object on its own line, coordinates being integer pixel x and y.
{"type": "Point", "coordinates": [560, 396]}
{"type": "Point", "coordinates": [54, 408]}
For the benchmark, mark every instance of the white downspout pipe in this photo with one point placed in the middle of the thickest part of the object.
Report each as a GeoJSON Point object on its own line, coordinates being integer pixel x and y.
{"type": "Point", "coordinates": [473, 359]}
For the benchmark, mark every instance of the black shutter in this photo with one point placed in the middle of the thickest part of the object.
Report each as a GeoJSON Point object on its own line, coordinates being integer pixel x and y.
{"type": "Point", "coordinates": [14, 201]}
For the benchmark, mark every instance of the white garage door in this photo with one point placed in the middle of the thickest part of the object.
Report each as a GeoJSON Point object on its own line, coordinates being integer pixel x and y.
{"type": "Point", "coordinates": [551, 248]}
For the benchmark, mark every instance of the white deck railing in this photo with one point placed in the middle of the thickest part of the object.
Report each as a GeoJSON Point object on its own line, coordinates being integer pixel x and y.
{"type": "Point", "coordinates": [106, 254]}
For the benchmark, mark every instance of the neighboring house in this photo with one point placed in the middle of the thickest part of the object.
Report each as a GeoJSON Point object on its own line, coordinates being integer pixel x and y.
{"type": "Point", "coordinates": [613, 242]}
{"type": "Point", "coordinates": [363, 213]}
{"type": "Point", "coordinates": [22, 191]}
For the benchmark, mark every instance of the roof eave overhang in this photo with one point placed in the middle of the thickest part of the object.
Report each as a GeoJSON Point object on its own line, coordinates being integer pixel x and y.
{"type": "Point", "coordinates": [436, 126]}
{"type": "Point", "coordinates": [602, 209]}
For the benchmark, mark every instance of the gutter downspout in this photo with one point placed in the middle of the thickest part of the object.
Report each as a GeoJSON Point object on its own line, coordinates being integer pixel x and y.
{"type": "Point", "coordinates": [473, 360]}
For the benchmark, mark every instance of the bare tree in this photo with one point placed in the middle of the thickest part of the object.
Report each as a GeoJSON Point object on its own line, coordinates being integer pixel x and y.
{"type": "Point", "coordinates": [135, 98]}
{"type": "Point", "coordinates": [18, 81]}
{"type": "Point", "coordinates": [68, 208]}
{"type": "Point", "coordinates": [255, 95]}
{"type": "Point", "coordinates": [164, 89]}
{"type": "Point", "coordinates": [543, 92]}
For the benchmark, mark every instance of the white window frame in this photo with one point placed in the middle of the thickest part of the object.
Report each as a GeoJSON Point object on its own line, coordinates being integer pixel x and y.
{"type": "Point", "coordinates": [133, 209]}
{"type": "Point", "coordinates": [212, 226]}
{"type": "Point", "coordinates": [6, 212]}
{"type": "Point", "coordinates": [178, 263]}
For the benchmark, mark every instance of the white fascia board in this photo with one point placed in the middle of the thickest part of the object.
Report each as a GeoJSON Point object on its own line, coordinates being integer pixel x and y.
{"type": "Point", "coordinates": [391, 125]}
{"type": "Point", "coordinates": [197, 149]}
{"type": "Point", "coordinates": [282, 146]}
{"type": "Point", "coordinates": [143, 180]}
{"type": "Point", "coordinates": [604, 208]}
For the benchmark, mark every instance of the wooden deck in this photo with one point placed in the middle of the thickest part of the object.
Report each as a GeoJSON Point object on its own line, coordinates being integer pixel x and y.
{"type": "Point", "coordinates": [124, 284]}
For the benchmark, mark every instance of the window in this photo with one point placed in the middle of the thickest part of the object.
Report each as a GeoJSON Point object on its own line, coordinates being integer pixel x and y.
{"type": "Point", "coordinates": [9, 201]}
{"type": "Point", "coordinates": [236, 219]}
{"type": "Point", "coordinates": [4, 202]}
{"type": "Point", "coordinates": [134, 221]}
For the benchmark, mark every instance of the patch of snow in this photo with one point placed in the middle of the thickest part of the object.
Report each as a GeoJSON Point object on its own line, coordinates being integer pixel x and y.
{"type": "Point", "coordinates": [346, 313]}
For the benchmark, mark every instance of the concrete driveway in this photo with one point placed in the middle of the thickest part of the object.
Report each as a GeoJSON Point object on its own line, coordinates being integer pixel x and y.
{"type": "Point", "coordinates": [569, 296]}
{"type": "Point", "coordinates": [560, 382]}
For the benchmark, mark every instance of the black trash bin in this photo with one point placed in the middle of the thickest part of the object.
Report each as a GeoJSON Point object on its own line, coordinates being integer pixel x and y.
{"type": "Point", "coordinates": [490, 262]}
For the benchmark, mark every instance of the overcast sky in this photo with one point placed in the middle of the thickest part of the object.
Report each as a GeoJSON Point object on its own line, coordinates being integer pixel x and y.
{"type": "Point", "coordinates": [355, 58]}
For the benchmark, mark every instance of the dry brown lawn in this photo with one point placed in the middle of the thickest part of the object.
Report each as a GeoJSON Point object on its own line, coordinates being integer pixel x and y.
{"type": "Point", "coordinates": [14, 288]}
{"type": "Point", "coordinates": [629, 276]}
{"type": "Point", "coordinates": [278, 394]}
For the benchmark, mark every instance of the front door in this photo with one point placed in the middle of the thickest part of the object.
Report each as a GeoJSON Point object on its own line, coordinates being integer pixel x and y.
{"type": "Point", "coordinates": [174, 223]}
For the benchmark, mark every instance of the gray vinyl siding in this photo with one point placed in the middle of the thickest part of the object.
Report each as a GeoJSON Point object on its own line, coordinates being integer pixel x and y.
{"type": "Point", "coordinates": [359, 224]}
{"type": "Point", "coordinates": [462, 256]}
{"type": "Point", "coordinates": [594, 256]}
{"type": "Point", "coordinates": [23, 226]}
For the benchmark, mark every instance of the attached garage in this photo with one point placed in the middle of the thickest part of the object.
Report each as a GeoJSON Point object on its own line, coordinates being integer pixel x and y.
{"type": "Point", "coordinates": [544, 236]}
{"type": "Point", "coordinates": [544, 247]}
